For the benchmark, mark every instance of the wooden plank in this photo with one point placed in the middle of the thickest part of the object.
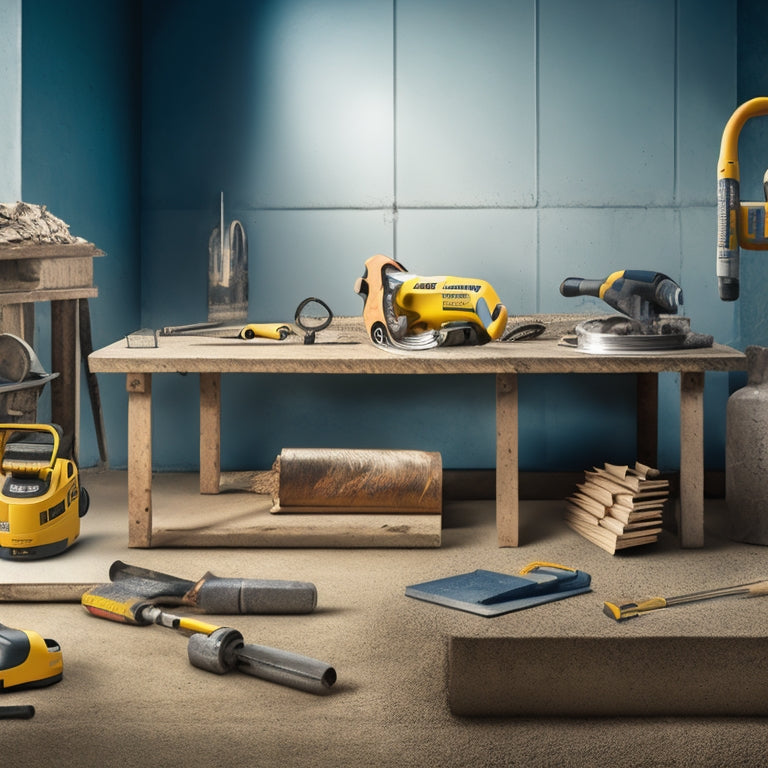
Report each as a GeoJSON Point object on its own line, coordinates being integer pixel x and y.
{"type": "Point", "coordinates": [315, 531]}
{"type": "Point", "coordinates": [65, 359]}
{"type": "Point", "coordinates": [139, 388]}
{"type": "Point", "coordinates": [184, 518]}
{"type": "Point", "coordinates": [47, 294]}
{"type": "Point", "coordinates": [210, 432]}
{"type": "Point", "coordinates": [18, 319]}
{"type": "Point", "coordinates": [692, 459]}
{"type": "Point", "coordinates": [648, 418]}
{"type": "Point", "coordinates": [188, 354]}
{"type": "Point", "coordinates": [31, 250]}
{"type": "Point", "coordinates": [26, 275]}
{"type": "Point", "coordinates": [507, 484]}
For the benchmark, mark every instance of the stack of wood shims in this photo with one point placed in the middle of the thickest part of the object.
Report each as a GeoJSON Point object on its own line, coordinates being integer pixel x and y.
{"type": "Point", "coordinates": [617, 507]}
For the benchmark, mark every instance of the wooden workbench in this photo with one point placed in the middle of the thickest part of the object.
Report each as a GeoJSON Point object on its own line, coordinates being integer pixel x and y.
{"type": "Point", "coordinates": [352, 353]}
{"type": "Point", "coordinates": [62, 274]}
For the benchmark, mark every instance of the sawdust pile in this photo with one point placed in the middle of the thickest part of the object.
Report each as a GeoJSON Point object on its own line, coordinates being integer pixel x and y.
{"type": "Point", "coordinates": [28, 223]}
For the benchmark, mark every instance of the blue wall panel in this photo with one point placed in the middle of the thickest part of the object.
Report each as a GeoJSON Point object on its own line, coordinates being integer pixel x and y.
{"type": "Point", "coordinates": [466, 110]}
{"type": "Point", "coordinates": [607, 102]}
{"type": "Point", "coordinates": [523, 141]}
{"type": "Point", "coordinates": [80, 158]}
{"type": "Point", "coordinates": [10, 97]}
{"type": "Point", "coordinates": [753, 162]}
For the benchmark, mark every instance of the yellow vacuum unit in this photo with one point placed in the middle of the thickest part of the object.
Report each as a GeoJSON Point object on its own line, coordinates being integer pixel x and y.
{"type": "Point", "coordinates": [41, 500]}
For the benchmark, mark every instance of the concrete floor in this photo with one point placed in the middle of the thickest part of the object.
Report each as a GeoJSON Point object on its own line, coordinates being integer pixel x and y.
{"type": "Point", "coordinates": [130, 698]}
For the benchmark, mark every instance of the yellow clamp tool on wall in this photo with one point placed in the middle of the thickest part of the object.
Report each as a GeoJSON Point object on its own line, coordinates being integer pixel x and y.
{"type": "Point", "coordinates": [738, 224]}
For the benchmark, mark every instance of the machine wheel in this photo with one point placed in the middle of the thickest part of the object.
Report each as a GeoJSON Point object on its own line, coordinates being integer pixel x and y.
{"type": "Point", "coordinates": [379, 335]}
{"type": "Point", "coordinates": [84, 502]}
{"type": "Point", "coordinates": [249, 334]}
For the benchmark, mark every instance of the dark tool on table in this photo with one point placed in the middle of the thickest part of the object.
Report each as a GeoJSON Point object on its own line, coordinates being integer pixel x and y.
{"type": "Point", "coordinates": [524, 332]}
{"type": "Point", "coordinates": [221, 649]}
{"type": "Point", "coordinates": [41, 500]}
{"type": "Point", "coordinates": [628, 610]}
{"type": "Point", "coordinates": [27, 660]}
{"type": "Point", "coordinates": [649, 302]}
{"type": "Point", "coordinates": [312, 315]}
{"type": "Point", "coordinates": [739, 225]}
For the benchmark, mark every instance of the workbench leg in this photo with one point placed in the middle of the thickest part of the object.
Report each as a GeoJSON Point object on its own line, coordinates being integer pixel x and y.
{"type": "Point", "coordinates": [507, 484]}
{"type": "Point", "coordinates": [648, 418]}
{"type": "Point", "coordinates": [691, 523]}
{"type": "Point", "coordinates": [139, 386]}
{"type": "Point", "coordinates": [65, 359]}
{"type": "Point", "coordinates": [210, 432]}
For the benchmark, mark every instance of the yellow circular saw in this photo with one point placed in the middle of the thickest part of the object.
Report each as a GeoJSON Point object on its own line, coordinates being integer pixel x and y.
{"type": "Point", "coordinates": [408, 311]}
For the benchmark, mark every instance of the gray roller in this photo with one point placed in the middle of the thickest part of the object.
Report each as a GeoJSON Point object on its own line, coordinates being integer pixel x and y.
{"type": "Point", "coordinates": [254, 596]}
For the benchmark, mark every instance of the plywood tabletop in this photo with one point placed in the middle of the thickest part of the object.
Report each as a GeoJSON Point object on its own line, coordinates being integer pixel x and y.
{"type": "Point", "coordinates": [349, 351]}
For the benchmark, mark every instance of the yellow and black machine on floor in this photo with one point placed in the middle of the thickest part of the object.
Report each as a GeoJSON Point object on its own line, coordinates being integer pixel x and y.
{"type": "Point", "coordinates": [28, 660]}
{"type": "Point", "coordinates": [41, 500]}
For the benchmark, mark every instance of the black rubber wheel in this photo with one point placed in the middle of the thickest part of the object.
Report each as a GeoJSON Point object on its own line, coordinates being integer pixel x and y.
{"type": "Point", "coordinates": [85, 502]}
{"type": "Point", "coordinates": [379, 335]}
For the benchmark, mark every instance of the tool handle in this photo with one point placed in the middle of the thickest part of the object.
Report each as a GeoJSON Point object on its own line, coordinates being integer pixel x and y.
{"type": "Point", "coordinates": [621, 611]}
{"type": "Point", "coordinates": [578, 286]}
{"type": "Point", "coordinates": [17, 712]}
{"type": "Point", "coordinates": [757, 589]}
{"type": "Point", "coordinates": [286, 668]}
{"type": "Point", "coordinates": [252, 596]}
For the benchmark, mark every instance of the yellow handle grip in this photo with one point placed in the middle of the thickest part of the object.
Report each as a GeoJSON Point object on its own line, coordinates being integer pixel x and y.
{"type": "Point", "coordinates": [728, 163]}
{"type": "Point", "coordinates": [628, 610]}
{"type": "Point", "coordinates": [194, 626]}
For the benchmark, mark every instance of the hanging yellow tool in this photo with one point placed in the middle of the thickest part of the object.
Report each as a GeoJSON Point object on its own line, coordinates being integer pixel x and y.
{"type": "Point", "coordinates": [739, 224]}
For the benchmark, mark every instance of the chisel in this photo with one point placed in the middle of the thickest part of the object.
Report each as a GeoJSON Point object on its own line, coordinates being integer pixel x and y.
{"type": "Point", "coordinates": [628, 610]}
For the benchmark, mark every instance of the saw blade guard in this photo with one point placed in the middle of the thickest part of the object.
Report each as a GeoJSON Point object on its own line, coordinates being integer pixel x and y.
{"type": "Point", "coordinates": [402, 310]}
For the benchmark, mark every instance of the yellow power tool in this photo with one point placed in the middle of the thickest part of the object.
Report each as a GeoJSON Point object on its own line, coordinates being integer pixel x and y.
{"type": "Point", "coordinates": [409, 311]}
{"type": "Point", "coordinates": [28, 660]}
{"type": "Point", "coordinates": [41, 500]}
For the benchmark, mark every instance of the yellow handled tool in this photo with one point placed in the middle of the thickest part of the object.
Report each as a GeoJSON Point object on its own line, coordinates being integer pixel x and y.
{"type": "Point", "coordinates": [222, 649]}
{"type": "Point", "coordinates": [628, 610]}
{"type": "Point", "coordinates": [738, 224]}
